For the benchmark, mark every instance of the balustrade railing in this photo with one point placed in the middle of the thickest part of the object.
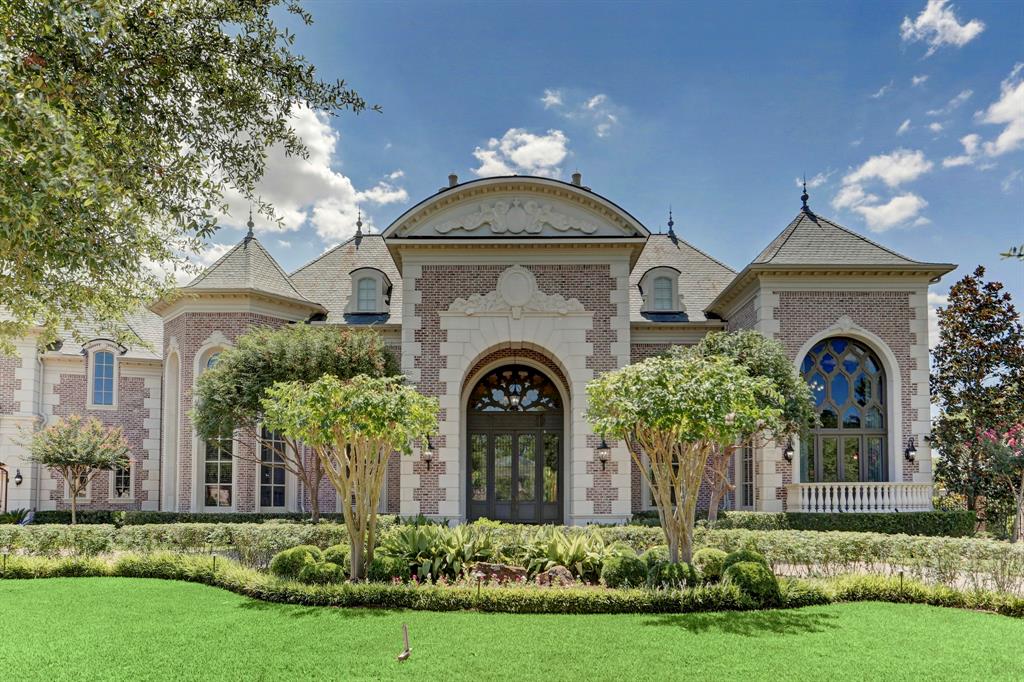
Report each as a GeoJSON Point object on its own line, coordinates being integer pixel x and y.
{"type": "Point", "coordinates": [858, 497]}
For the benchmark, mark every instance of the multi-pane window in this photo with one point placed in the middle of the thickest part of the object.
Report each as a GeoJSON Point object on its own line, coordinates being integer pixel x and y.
{"type": "Point", "coordinates": [848, 384]}
{"type": "Point", "coordinates": [747, 477]}
{"type": "Point", "coordinates": [212, 360]}
{"type": "Point", "coordinates": [663, 293]}
{"type": "Point", "coordinates": [366, 295]}
{"type": "Point", "coordinates": [272, 471]}
{"type": "Point", "coordinates": [103, 378]}
{"type": "Point", "coordinates": [217, 472]}
{"type": "Point", "coordinates": [122, 482]}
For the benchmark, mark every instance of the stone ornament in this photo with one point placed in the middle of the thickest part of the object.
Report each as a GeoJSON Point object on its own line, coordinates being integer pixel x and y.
{"type": "Point", "coordinates": [515, 216]}
{"type": "Point", "coordinates": [516, 293]}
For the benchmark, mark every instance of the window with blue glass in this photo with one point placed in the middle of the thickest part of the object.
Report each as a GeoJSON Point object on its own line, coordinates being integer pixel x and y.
{"type": "Point", "coordinates": [103, 378]}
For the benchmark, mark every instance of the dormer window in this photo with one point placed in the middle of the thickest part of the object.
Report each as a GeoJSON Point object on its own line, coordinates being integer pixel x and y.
{"type": "Point", "coordinates": [659, 289]}
{"type": "Point", "coordinates": [371, 292]}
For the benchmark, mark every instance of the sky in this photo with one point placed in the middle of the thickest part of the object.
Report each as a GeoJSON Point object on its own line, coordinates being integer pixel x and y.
{"type": "Point", "coordinates": [907, 118]}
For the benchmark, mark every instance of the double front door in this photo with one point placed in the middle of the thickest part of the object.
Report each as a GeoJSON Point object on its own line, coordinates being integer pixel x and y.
{"type": "Point", "coordinates": [515, 473]}
{"type": "Point", "coordinates": [849, 458]}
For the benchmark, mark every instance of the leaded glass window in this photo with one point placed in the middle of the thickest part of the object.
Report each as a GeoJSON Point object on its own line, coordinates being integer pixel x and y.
{"type": "Point", "coordinates": [515, 388]}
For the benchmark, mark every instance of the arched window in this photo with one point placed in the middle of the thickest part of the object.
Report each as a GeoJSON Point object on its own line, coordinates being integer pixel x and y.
{"type": "Point", "coordinates": [847, 383]}
{"type": "Point", "coordinates": [515, 388]}
{"type": "Point", "coordinates": [103, 378]}
{"type": "Point", "coordinates": [663, 299]}
{"type": "Point", "coordinates": [212, 360]}
{"type": "Point", "coordinates": [366, 299]}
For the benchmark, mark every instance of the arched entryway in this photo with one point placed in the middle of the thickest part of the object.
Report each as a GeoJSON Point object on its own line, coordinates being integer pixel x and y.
{"type": "Point", "coordinates": [515, 444]}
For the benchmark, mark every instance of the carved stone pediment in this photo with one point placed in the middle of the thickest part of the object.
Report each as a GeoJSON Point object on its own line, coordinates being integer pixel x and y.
{"type": "Point", "coordinates": [516, 216]}
{"type": "Point", "coordinates": [516, 293]}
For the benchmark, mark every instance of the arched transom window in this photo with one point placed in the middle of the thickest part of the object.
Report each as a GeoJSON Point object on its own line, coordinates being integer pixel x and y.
{"type": "Point", "coordinates": [514, 388]}
{"type": "Point", "coordinates": [848, 385]}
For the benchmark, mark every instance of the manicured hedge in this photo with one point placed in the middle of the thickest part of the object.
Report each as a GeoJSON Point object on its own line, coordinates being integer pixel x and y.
{"type": "Point", "coordinates": [932, 523]}
{"type": "Point", "coordinates": [721, 597]}
{"type": "Point", "coordinates": [140, 518]}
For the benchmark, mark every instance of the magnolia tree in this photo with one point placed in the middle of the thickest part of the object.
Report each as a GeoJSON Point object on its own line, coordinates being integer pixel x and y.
{"type": "Point", "coordinates": [677, 410]}
{"type": "Point", "coordinates": [764, 358]}
{"type": "Point", "coordinates": [353, 427]}
{"type": "Point", "coordinates": [79, 449]}
{"type": "Point", "coordinates": [229, 394]}
{"type": "Point", "coordinates": [1005, 449]}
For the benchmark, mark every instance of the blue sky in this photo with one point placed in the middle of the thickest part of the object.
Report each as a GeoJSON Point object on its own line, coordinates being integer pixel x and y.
{"type": "Point", "coordinates": [907, 117]}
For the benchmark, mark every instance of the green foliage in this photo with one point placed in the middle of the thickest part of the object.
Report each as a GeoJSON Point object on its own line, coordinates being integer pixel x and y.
{"type": "Point", "coordinates": [291, 562]}
{"type": "Point", "coordinates": [125, 126]}
{"type": "Point", "coordinates": [958, 523]}
{"type": "Point", "coordinates": [756, 580]}
{"type": "Point", "coordinates": [338, 554]}
{"type": "Point", "coordinates": [656, 554]}
{"type": "Point", "coordinates": [624, 571]}
{"type": "Point", "coordinates": [13, 516]}
{"type": "Point", "coordinates": [321, 573]}
{"type": "Point", "coordinates": [744, 555]}
{"type": "Point", "coordinates": [433, 551]}
{"type": "Point", "coordinates": [581, 553]}
{"type": "Point", "coordinates": [710, 562]}
{"type": "Point", "coordinates": [665, 575]}
{"type": "Point", "coordinates": [385, 569]}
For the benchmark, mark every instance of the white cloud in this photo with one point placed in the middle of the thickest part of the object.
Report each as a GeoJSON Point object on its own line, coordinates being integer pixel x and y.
{"type": "Point", "coordinates": [310, 191]}
{"type": "Point", "coordinates": [522, 152]}
{"type": "Point", "coordinates": [938, 25]}
{"type": "Point", "coordinates": [857, 142]}
{"type": "Point", "coordinates": [904, 127]}
{"type": "Point", "coordinates": [551, 98]}
{"type": "Point", "coordinates": [970, 155]}
{"type": "Point", "coordinates": [816, 180]}
{"type": "Point", "coordinates": [898, 210]}
{"type": "Point", "coordinates": [595, 101]}
{"type": "Point", "coordinates": [935, 127]}
{"type": "Point", "coordinates": [1013, 181]}
{"type": "Point", "coordinates": [1008, 110]}
{"type": "Point", "coordinates": [918, 80]}
{"type": "Point", "coordinates": [893, 169]}
{"type": "Point", "coordinates": [881, 92]}
{"type": "Point", "coordinates": [850, 196]}
{"type": "Point", "coordinates": [211, 254]}
{"type": "Point", "coordinates": [396, 175]}
{"type": "Point", "coordinates": [284, 243]}
{"type": "Point", "coordinates": [952, 104]}
{"type": "Point", "coordinates": [935, 301]}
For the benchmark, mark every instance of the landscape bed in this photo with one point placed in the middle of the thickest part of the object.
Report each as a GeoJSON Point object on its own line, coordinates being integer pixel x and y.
{"type": "Point", "coordinates": [188, 631]}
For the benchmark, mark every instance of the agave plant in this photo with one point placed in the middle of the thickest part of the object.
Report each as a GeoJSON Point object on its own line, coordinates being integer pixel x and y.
{"type": "Point", "coordinates": [422, 547]}
{"type": "Point", "coordinates": [582, 553]}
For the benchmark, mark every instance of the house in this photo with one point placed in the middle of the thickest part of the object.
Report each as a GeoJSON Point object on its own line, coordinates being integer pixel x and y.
{"type": "Point", "coordinates": [503, 297]}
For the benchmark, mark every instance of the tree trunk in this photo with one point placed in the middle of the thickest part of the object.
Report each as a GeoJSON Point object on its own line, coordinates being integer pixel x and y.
{"type": "Point", "coordinates": [714, 502]}
{"type": "Point", "coordinates": [74, 505]}
{"type": "Point", "coordinates": [314, 501]}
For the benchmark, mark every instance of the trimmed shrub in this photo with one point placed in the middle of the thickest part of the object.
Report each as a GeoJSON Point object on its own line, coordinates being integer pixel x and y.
{"type": "Point", "coordinates": [384, 569]}
{"type": "Point", "coordinates": [290, 562]}
{"type": "Point", "coordinates": [624, 571]}
{"type": "Point", "coordinates": [958, 523]}
{"type": "Point", "coordinates": [321, 573]}
{"type": "Point", "coordinates": [710, 562]}
{"type": "Point", "coordinates": [756, 580]}
{"type": "Point", "coordinates": [338, 554]}
{"type": "Point", "coordinates": [665, 575]}
{"type": "Point", "coordinates": [744, 555]}
{"type": "Point", "coordinates": [657, 554]}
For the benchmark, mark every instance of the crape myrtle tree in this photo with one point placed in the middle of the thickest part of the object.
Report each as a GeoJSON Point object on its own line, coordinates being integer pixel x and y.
{"type": "Point", "coordinates": [354, 427]}
{"type": "Point", "coordinates": [79, 449]}
{"type": "Point", "coordinates": [124, 125]}
{"type": "Point", "coordinates": [228, 396]}
{"type": "Point", "coordinates": [977, 382]}
{"type": "Point", "coordinates": [1005, 460]}
{"type": "Point", "coordinates": [677, 410]}
{"type": "Point", "coordinates": [765, 358]}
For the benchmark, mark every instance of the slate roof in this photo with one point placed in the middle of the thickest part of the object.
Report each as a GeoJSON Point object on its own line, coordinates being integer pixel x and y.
{"type": "Point", "coordinates": [813, 240]}
{"type": "Point", "coordinates": [327, 279]}
{"type": "Point", "coordinates": [701, 278]}
{"type": "Point", "coordinates": [146, 324]}
{"type": "Point", "coordinates": [247, 266]}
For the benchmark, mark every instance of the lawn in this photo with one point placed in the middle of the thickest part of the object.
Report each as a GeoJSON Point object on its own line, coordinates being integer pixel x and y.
{"type": "Point", "coordinates": [120, 628]}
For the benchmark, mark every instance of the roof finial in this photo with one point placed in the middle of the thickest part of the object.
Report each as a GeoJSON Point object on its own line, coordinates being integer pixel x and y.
{"type": "Point", "coordinates": [359, 224]}
{"type": "Point", "coordinates": [671, 223]}
{"type": "Point", "coordinates": [804, 197]}
{"type": "Point", "coordinates": [249, 234]}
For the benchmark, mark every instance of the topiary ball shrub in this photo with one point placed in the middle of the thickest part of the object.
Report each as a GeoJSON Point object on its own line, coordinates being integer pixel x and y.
{"type": "Point", "coordinates": [745, 555]}
{"type": "Point", "coordinates": [655, 555]}
{"type": "Point", "coordinates": [668, 576]}
{"type": "Point", "coordinates": [619, 548]}
{"type": "Point", "coordinates": [710, 561]}
{"type": "Point", "coordinates": [289, 563]}
{"type": "Point", "coordinates": [624, 571]}
{"type": "Point", "coordinates": [384, 569]}
{"type": "Point", "coordinates": [338, 554]}
{"type": "Point", "coordinates": [755, 580]}
{"type": "Point", "coordinates": [321, 573]}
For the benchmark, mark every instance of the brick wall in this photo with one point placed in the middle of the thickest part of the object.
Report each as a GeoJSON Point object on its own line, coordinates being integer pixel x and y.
{"type": "Point", "coordinates": [9, 383]}
{"type": "Point", "coordinates": [744, 318]}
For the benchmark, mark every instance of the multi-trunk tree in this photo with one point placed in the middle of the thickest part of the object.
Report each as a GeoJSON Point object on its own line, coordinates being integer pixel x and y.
{"type": "Point", "coordinates": [675, 411]}
{"type": "Point", "coordinates": [354, 427]}
{"type": "Point", "coordinates": [228, 396]}
{"type": "Point", "coordinates": [79, 449]}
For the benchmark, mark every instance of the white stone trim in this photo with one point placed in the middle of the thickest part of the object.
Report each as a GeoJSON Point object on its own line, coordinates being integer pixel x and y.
{"type": "Point", "coordinates": [382, 286]}
{"type": "Point", "coordinates": [647, 293]}
{"type": "Point", "coordinates": [215, 342]}
{"type": "Point", "coordinates": [90, 351]}
{"type": "Point", "coordinates": [170, 461]}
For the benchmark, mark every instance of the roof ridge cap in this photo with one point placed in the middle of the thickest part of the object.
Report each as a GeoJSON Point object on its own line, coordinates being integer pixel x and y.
{"type": "Point", "coordinates": [791, 228]}
{"type": "Point", "coordinates": [704, 253]}
{"type": "Point", "coordinates": [333, 249]}
{"type": "Point", "coordinates": [280, 270]}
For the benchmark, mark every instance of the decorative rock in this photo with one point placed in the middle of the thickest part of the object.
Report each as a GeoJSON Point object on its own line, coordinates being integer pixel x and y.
{"type": "Point", "coordinates": [556, 576]}
{"type": "Point", "coordinates": [499, 572]}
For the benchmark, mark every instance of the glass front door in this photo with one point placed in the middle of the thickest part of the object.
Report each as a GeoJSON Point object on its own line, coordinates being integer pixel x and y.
{"type": "Point", "coordinates": [844, 458]}
{"type": "Point", "coordinates": [514, 475]}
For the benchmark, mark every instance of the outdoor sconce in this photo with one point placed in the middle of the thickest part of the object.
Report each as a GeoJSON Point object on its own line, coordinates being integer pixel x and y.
{"type": "Point", "coordinates": [428, 454]}
{"type": "Point", "coordinates": [18, 478]}
{"type": "Point", "coordinates": [603, 453]}
{"type": "Point", "coordinates": [911, 452]}
{"type": "Point", "coordinates": [788, 451]}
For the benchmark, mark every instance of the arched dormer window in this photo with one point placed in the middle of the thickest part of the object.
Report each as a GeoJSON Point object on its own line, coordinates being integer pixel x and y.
{"type": "Point", "coordinates": [659, 289]}
{"type": "Point", "coordinates": [101, 360]}
{"type": "Point", "coordinates": [371, 292]}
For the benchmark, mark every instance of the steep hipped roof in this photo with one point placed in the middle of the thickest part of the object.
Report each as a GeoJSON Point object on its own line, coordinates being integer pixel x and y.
{"type": "Point", "coordinates": [813, 240]}
{"type": "Point", "coordinates": [701, 277]}
{"type": "Point", "coordinates": [146, 324]}
{"type": "Point", "coordinates": [327, 280]}
{"type": "Point", "coordinates": [247, 266]}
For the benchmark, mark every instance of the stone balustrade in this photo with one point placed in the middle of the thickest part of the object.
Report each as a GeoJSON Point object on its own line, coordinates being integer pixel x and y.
{"type": "Point", "coordinates": [858, 497]}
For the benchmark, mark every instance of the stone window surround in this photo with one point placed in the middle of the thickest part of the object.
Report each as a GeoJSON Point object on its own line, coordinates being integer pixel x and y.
{"type": "Point", "coordinates": [214, 343]}
{"type": "Point", "coordinates": [646, 286]}
{"type": "Point", "coordinates": [383, 284]}
{"type": "Point", "coordinates": [111, 489]}
{"type": "Point", "coordinates": [291, 488]}
{"type": "Point", "coordinates": [89, 350]}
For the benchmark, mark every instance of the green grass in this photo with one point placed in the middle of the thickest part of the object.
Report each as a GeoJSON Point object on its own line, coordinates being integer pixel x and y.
{"type": "Point", "coordinates": [122, 628]}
